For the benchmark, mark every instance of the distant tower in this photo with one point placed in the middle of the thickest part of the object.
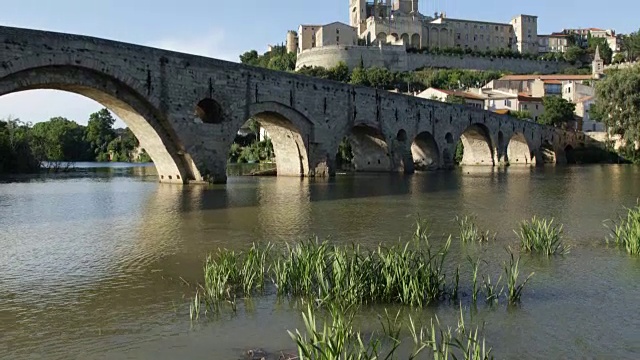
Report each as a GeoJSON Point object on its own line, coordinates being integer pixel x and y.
{"type": "Point", "coordinates": [292, 42]}
{"type": "Point", "coordinates": [405, 6]}
{"type": "Point", "coordinates": [358, 15]}
{"type": "Point", "coordinates": [597, 64]}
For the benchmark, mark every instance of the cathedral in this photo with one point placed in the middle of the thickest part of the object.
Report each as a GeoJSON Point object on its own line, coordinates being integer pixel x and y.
{"type": "Point", "coordinates": [399, 23]}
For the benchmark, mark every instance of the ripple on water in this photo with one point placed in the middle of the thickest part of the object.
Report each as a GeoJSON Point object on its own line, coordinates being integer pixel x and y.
{"type": "Point", "coordinates": [93, 269]}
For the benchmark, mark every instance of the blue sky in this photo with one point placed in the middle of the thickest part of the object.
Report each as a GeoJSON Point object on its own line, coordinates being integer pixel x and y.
{"type": "Point", "coordinates": [224, 29]}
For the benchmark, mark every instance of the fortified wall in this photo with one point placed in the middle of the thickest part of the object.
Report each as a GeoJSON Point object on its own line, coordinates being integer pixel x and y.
{"type": "Point", "coordinates": [398, 59]}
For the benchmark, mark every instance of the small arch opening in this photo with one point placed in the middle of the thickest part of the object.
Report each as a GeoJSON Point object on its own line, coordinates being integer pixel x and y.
{"type": "Point", "coordinates": [402, 135]}
{"type": "Point", "coordinates": [424, 150]}
{"type": "Point", "coordinates": [209, 111]}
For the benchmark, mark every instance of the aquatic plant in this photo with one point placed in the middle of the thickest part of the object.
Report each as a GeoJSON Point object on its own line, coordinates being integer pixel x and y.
{"type": "Point", "coordinates": [469, 231]}
{"type": "Point", "coordinates": [542, 236]}
{"type": "Point", "coordinates": [625, 233]}
{"type": "Point", "coordinates": [337, 338]}
{"type": "Point", "coordinates": [492, 292]}
{"type": "Point", "coordinates": [512, 272]}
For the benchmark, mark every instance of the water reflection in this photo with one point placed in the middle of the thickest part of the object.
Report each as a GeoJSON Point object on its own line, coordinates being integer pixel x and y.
{"type": "Point", "coordinates": [94, 266]}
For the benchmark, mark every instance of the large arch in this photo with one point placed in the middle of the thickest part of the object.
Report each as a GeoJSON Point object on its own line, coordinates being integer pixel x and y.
{"type": "Point", "coordinates": [519, 152]}
{"type": "Point", "coordinates": [424, 150]}
{"type": "Point", "coordinates": [370, 149]}
{"type": "Point", "coordinates": [145, 121]}
{"type": "Point", "coordinates": [289, 132]}
{"type": "Point", "coordinates": [478, 147]}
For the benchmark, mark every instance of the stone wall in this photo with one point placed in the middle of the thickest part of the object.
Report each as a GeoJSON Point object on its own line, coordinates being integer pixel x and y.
{"type": "Point", "coordinates": [186, 109]}
{"type": "Point", "coordinates": [397, 59]}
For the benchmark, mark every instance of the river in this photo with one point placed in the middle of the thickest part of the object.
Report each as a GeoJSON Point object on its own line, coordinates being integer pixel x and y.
{"type": "Point", "coordinates": [96, 265]}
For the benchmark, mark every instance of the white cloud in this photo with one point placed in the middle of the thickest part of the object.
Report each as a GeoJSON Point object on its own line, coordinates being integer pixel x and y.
{"type": "Point", "coordinates": [41, 105]}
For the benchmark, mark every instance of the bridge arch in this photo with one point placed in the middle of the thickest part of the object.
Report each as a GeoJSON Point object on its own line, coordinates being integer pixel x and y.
{"type": "Point", "coordinates": [289, 132]}
{"type": "Point", "coordinates": [145, 121]}
{"type": "Point", "coordinates": [519, 152]}
{"type": "Point", "coordinates": [425, 152]}
{"type": "Point", "coordinates": [478, 145]}
{"type": "Point", "coordinates": [569, 154]}
{"type": "Point", "coordinates": [369, 148]}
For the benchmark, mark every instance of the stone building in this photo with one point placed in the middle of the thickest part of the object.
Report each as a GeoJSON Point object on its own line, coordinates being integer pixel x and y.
{"type": "Point", "coordinates": [554, 42]}
{"type": "Point", "coordinates": [398, 22]}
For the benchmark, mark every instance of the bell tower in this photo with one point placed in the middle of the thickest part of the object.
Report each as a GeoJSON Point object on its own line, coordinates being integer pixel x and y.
{"type": "Point", "coordinates": [358, 14]}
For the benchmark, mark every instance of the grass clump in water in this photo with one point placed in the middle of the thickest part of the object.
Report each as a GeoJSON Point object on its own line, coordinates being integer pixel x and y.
{"type": "Point", "coordinates": [469, 231]}
{"type": "Point", "coordinates": [625, 233]}
{"type": "Point", "coordinates": [512, 272]}
{"type": "Point", "coordinates": [542, 236]}
{"type": "Point", "coordinates": [337, 338]}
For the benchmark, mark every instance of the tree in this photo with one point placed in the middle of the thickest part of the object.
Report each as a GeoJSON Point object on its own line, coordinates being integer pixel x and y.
{"type": "Point", "coordinates": [454, 99]}
{"type": "Point", "coordinates": [99, 133]}
{"type": "Point", "coordinates": [339, 72]}
{"type": "Point", "coordinates": [631, 45]}
{"type": "Point", "coordinates": [15, 153]}
{"type": "Point", "coordinates": [359, 77]}
{"type": "Point", "coordinates": [249, 58]}
{"type": "Point", "coordinates": [521, 114]}
{"type": "Point", "coordinates": [605, 51]}
{"type": "Point", "coordinates": [573, 54]}
{"type": "Point", "coordinates": [618, 103]}
{"type": "Point", "coordinates": [556, 111]}
{"type": "Point", "coordinates": [59, 139]}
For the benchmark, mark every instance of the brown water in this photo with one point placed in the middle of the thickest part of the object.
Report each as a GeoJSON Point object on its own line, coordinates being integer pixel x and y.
{"type": "Point", "coordinates": [92, 267]}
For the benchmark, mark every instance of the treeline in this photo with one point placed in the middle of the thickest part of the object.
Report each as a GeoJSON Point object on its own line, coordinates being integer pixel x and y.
{"type": "Point", "coordinates": [24, 147]}
{"type": "Point", "coordinates": [380, 78]}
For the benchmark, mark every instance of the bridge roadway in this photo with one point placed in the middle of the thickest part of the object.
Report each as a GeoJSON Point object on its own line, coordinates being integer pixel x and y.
{"type": "Point", "coordinates": [186, 110]}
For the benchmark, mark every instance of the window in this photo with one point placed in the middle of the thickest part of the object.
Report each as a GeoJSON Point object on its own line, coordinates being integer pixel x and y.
{"type": "Point", "coordinates": [337, 31]}
{"type": "Point", "coordinates": [338, 39]}
{"type": "Point", "coordinates": [536, 106]}
{"type": "Point", "coordinates": [524, 106]}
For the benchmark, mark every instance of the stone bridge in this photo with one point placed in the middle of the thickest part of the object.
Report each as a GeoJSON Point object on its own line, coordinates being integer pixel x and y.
{"type": "Point", "coordinates": [186, 110]}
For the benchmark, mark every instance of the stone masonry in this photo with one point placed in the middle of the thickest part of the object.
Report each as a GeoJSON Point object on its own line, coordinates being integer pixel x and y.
{"type": "Point", "coordinates": [186, 110]}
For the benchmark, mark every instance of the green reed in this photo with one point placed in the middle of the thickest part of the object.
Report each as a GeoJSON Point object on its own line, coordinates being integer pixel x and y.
{"type": "Point", "coordinates": [625, 233]}
{"type": "Point", "coordinates": [337, 338]}
{"type": "Point", "coordinates": [469, 231]}
{"type": "Point", "coordinates": [512, 272]}
{"type": "Point", "coordinates": [410, 273]}
{"type": "Point", "coordinates": [542, 236]}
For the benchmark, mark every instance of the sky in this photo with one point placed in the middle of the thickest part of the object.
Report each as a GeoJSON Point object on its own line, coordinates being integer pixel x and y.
{"type": "Point", "coordinates": [225, 29]}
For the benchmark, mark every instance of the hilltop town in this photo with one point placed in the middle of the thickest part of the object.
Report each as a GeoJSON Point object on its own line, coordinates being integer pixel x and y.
{"type": "Point", "coordinates": [393, 35]}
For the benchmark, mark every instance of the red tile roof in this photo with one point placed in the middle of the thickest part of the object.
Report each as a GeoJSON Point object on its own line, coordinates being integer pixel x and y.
{"type": "Point", "coordinates": [527, 97]}
{"type": "Point", "coordinates": [546, 77]}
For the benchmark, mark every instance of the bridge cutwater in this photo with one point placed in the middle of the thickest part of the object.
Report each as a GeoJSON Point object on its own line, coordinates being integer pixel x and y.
{"type": "Point", "coordinates": [186, 110]}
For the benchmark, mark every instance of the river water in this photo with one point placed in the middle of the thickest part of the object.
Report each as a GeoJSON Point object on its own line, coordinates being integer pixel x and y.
{"type": "Point", "coordinates": [96, 265]}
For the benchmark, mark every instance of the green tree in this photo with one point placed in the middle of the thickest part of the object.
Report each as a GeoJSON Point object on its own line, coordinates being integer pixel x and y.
{"type": "Point", "coordinates": [556, 111]}
{"type": "Point", "coordinates": [15, 153]}
{"type": "Point", "coordinates": [618, 103]}
{"type": "Point", "coordinates": [573, 54]}
{"type": "Point", "coordinates": [605, 51]}
{"type": "Point", "coordinates": [59, 139]}
{"type": "Point", "coordinates": [454, 99]}
{"type": "Point", "coordinates": [99, 133]}
{"type": "Point", "coordinates": [339, 72]}
{"type": "Point", "coordinates": [521, 114]}
{"type": "Point", "coordinates": [359, 77]}
{"type": "Point", "coordinates": [631, 46]}
{"type": "Point", "coordinates": [249, 58]}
